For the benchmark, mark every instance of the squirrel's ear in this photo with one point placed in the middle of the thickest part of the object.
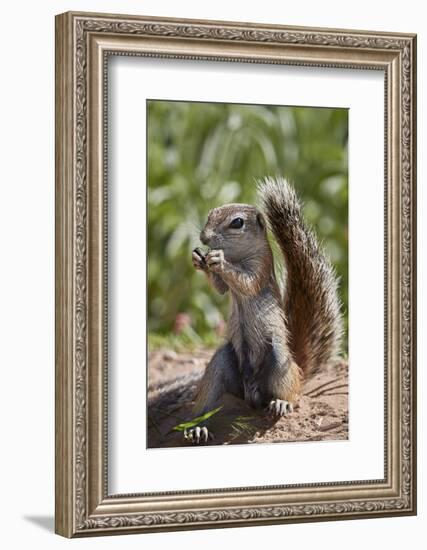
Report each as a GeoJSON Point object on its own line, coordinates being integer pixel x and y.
{"type": "Point", "coordinates": [260, 220]}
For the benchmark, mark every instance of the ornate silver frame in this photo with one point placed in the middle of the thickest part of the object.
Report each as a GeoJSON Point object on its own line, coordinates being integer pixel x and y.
{"type": "Point", "coordinates": [83, 42]}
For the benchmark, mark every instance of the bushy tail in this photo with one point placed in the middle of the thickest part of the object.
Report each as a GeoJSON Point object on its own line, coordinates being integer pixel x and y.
{"type": "Point", "coordinates": [312, 305]}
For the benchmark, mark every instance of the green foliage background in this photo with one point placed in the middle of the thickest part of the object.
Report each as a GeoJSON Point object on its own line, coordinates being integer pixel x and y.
{"type": "Point", "coordinates": [202, 155]}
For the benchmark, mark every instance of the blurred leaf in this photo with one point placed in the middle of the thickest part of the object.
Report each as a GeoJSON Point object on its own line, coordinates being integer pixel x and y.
{"type": "Point", "coordinates": [202, 155]}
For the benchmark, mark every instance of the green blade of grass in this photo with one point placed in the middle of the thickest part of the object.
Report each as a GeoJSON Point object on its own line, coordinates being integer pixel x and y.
{"type": "Point", "coordinates": [195, 421]}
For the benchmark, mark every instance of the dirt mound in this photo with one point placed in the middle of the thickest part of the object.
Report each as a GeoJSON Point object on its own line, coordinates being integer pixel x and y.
{"type": "Point", "coordinates": [322, 412]}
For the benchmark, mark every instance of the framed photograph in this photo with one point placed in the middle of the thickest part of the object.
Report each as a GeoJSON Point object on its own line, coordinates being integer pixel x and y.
{"type": "Point", "coordinates": [235, 274]}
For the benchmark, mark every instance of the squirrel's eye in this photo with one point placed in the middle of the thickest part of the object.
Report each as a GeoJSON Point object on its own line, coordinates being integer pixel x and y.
{"type": "Point", "coordinates": [237, 223]}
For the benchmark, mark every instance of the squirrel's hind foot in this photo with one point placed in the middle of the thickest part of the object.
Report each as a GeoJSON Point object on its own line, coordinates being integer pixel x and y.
{"type": "Point", "coordinates": [198, 435]}
{"type": "Point", "coordinates": [279, 407]}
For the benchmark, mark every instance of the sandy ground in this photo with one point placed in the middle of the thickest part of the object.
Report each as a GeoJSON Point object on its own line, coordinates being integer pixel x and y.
{"type": "Point", "coordinates": [322, 412]}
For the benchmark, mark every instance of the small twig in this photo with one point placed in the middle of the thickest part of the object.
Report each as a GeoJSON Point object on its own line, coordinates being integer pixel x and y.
{"type": "Point", "coordinates": [330, 426]}
{"type": "Point", "coordinates": [176, 408]}
{"type": "Point", "coordinates": [314, 390]}
{"type": "Point", "coordinates": [155, 426]}
{"type": "Point", "coordinates": [329, 389]}
{"type": "Point", "coordinates": [166, 413]}
{"type": "Point", "coordinates": [336, 393]}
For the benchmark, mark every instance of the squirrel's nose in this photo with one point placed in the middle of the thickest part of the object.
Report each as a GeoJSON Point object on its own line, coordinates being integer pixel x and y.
{"type": "Point", "coordinates": [205, 237]}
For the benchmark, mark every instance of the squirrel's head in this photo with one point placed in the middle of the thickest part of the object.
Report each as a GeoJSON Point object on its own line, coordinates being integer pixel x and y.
{"type": "Point", "coordinates": [237, 229]}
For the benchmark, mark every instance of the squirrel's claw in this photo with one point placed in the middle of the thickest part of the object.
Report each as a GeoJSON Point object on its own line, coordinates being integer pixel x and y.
{"type": "Point", "coordinates": [198, 435]}
{"type": "Point", "coordinates": [279, 407]}
{"type": "Point", "coordinates": [215, 260]}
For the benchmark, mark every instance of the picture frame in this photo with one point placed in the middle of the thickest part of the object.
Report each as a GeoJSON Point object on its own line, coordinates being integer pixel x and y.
{"type": "Point", "coordinates": [84, 506]}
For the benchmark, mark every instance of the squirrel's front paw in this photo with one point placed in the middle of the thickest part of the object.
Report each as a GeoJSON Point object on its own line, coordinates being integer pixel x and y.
{"type": "Point", "coordinates": [199, 259]}
{"type": "Point", "coordinates": [198, 435]}
{"type": "Point", "coordinates": [279, 407]}
{"type": "Point", "coordinates": [215, 260]}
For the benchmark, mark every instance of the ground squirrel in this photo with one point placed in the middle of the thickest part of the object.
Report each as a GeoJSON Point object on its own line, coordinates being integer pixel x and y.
{"type": "Point", "coordinates": [272, 340]}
